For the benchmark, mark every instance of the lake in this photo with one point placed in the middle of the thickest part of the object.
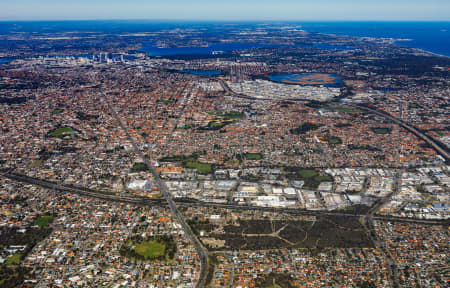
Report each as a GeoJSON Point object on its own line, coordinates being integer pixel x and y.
{"type": "Point", "coordinates": [305, 79]}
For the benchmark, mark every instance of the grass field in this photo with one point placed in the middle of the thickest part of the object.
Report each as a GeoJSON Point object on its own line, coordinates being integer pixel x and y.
{"type": "Point", "coordinates": [14, 259]}
{"type": "Point", "coordinates": [138, 167]}
{"type": "Point", "coordinates": [227, 115]}
{"type": "Point", "coordinates": [319, 179]}
{"type": "Point", "coordinates": [178, 158]}
{"type": "Point", "coordinates": [253, 156]}
{"type": "Point", "coordinates": [60, 132]}
{"type": "Point", "coordinates": [344, 109]}
{"type": "Point", "coordinates": [164, 101]}
{"type": "Point", "coordinates": [160, 247]}
{"type": "Point", "coordinates": [216, 125]}
{"type": "Point", "coordinates": [232, 162]}
{"type": "Point", "coordinates": [307, 173]}
{"type": "Point", "coordinates": [381, 130]}
{"type": "Point", "coordinates": [333, 140]}
{"type": "Point", "coordinates": [186, 126]}
{"type": "Point", "coordinates": [439, 133]}
{"type": "Point", "coordinates": [44, 220]}
{"type": "Point", "coordinates": [202, 168]}
{"type": "Point", "coordinates": [150, 249]}
{"type": "Point", "coordinates": [189, 161]}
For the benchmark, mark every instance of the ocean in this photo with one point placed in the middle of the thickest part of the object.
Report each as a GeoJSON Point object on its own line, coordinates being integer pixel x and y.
{"type": "Point", "coordinates": [5, 60]}
{"type": "Point", "coordinates": [429, 36]}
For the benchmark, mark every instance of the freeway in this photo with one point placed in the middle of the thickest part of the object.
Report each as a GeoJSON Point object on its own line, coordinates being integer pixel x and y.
{"type": "Point", "coordinates": [441, 149]}
{"type": "Point", "coordinates": [108, 196]}
{"type": "Point", "coordinates": [173, 208]}
{"type": "Point", "coordinates": [234, 94]}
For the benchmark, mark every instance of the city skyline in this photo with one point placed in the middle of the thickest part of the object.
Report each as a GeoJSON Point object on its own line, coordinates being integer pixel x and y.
{"type": "Point", "coordinates": [284, 10]}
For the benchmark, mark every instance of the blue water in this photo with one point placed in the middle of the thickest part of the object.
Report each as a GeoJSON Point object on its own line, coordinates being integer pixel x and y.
{"type": "Point", "coordinates": [5, 60]}
{"type": "Point", "coordinates": [208, 73]}
{"type": "Point", "coordinates": [224, 47]}
{"type": "Point", "coordinates": [294, 76]}
{"type": "Point", "coordinates": [430, 36]}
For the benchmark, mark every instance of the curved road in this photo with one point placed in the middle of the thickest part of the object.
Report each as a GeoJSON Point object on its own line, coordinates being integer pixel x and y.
{"type": "Point", "coordinates": [439, 148]}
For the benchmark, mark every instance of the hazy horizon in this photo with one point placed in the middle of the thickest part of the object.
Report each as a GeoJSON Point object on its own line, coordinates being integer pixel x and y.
{"type": "Point", "coordinates": [232, 10]}
{"type": "Point", "coordinates": [257, 21]}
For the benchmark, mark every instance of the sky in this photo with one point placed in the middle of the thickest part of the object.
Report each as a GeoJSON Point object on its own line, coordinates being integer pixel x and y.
{"type": "Point", "coordinates": [301, 10]}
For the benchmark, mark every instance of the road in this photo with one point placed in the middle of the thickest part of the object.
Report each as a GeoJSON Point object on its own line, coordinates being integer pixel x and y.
{"type": "Point", "coordinates": [195, 203]}
{"type": "Point", "coordinates": [232, 273]}
{"type": "Point", "coordinates": [165, 192]}
{"type": "Point", "coordinates": [438, 147]}
{"type": "Point", "coordinates": [368, 224]}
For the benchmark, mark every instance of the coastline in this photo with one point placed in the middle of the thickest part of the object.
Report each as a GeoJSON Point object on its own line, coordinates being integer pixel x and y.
{"type": "Point", "coordinates": [432, 53]}
{"type": "Point", "coordinates": [396, 42]}
{"type": "Point", "coordinates": [401, 38]}
{"type": "Point", "coordinates": [420, 49]}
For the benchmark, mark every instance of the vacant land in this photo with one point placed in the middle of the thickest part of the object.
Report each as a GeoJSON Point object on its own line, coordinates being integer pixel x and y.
{"type": "Point", "coordinates": [12, 276]}
{"type": "Point", "coordinates": [11, 273]}
{"type": "Point", "coordinates": [322, 233]}
{"type": "Point", "coordinates": [274, 280]}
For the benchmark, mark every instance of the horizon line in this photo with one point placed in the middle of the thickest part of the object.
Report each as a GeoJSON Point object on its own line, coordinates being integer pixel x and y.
{"type": "Point", "coordinates": [220, 20]}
